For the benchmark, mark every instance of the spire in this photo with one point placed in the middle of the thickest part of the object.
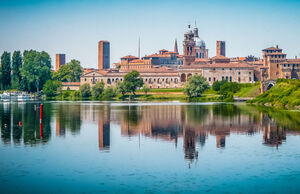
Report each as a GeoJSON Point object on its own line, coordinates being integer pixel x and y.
{"type": "Point", "coordinates": [175, 46]}
{"type": "Point", "coordinates": [139, 48]}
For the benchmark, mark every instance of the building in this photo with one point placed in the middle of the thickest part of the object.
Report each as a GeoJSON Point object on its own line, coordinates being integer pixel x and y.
{"type": "Point", "coordinates": [221, 48]}
{"type": "Point", "coordinates": [60, 60]}
{"type": "Point", "coordinates": [103, 55]}
{"type": "Point", "coordinates": [278, 66]}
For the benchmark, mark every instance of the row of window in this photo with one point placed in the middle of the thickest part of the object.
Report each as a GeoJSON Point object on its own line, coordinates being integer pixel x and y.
{"type": "Point", "coordinates": [288, 65]}
{"type": "Point", "coordinates": [230, 79]}
{"type": "Point", "coordinates": [159, 80]}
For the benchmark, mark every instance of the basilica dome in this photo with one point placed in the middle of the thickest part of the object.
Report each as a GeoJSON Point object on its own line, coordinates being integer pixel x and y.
{"type": "Point", "coordinates": [199, 42]}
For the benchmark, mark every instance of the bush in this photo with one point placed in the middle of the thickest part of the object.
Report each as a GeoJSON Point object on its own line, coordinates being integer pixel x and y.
{"type": "Point", "coordinates": [195, 86]}
{"type": "Point", "coordinates": [109, 93]}
{"type": "Point", "coordinates": [229, 87]}
{"type": "Point", "coordinates": [51, 88]}
{"type": "Point", "coordinates": [85, 90]}
{"type": "Point", "coordinates": [217, 85]}
{"type": "Point", "coordinates": [97, 90]}
{"type": "Point", "coordinates": [66, 94]}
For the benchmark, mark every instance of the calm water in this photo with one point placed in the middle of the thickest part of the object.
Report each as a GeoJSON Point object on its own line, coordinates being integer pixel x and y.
{"type": "Point", "coordinates": [148, 147]}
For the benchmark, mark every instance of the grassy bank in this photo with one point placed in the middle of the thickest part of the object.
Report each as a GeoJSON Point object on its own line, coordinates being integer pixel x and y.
{"type": "Point", "coordinates": [285, 94]}
{"type": "Point", "coordinates": [248, 90]}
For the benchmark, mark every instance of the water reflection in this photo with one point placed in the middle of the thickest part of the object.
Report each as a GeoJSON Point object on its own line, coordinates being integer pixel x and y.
{"type": "Point", "coordinates": [193, 123]}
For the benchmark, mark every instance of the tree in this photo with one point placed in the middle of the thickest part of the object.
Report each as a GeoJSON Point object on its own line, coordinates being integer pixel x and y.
{"type": "Point", "coordinates": [51, 88]}
{"type": "Point", "coordinates": [132, 81]}
{"type": "Point", "coordinates": [85, 90]}
{"type": "Point", "coordinates": [36, 70]}
{"type": "Point", "coordinates": [6, 70]}
{"type": "Point", "coordinates": [145, 89]}
{"type": "Point", "coordinates": [16, 65]}
{"type": "Point", "coordinates": [217, 85]}
{"type": "Point", "coordinates": [69, 72]}
{"type": "Point", "coordinates": [121, 88]}
{"type": "Point", "coordinates": [195, 86]}
{"type": "Point", "coordinates": [229, 87]}
{"type": "Point", "coordinates": [97, 90]}
{"type": "Point", "coordinates": [109, 93]}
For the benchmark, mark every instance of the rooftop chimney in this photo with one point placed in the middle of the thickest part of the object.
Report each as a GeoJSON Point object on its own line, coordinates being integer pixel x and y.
{"type": "Point", "coordinates": [277, 46]}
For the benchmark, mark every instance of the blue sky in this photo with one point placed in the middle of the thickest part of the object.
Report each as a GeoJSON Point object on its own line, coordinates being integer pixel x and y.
{"type": "Point", "coordinates": [74, 27]}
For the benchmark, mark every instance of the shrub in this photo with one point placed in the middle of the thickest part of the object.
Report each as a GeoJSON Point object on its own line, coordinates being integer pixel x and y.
{"type": "Point", "coordinates": [51, 88]}
{"type": "Point", "coordinates": [85, 90]}
{"type": "Point", "coordinates": [217, 85]}
{"type": "Point", "coordinates": [97, 90]}
{"type": "Point", "coordinates": [195, 86]}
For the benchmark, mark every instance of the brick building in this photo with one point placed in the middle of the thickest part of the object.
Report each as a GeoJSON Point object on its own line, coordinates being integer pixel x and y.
{"type": "Point", "coordinates": [103, 55]}
{"type": "Point", "coordinates": [60, 60]}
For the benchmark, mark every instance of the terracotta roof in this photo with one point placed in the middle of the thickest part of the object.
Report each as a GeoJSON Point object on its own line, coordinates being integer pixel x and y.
{"type": "Point", "coordinates": [129, 57]}
{"type": "Point", "coordinates": [171, 52]}
{"type": "Point", "coordinates": [292, 61]}
{"type": "Point", "coordinates": [163, 50]}
{"type": "Point", "coordinates": [137, 61]}
{"type": "Point", "coordinates": [70, 83]}
{"type": "Point", "coordinates": [219, 57]}
{"type": "Point", "coordinates": [226, 65]}
{"type": "Point", "coordinates": [272, 48]}
{"type": "Point", "coordinates": [157, 55]}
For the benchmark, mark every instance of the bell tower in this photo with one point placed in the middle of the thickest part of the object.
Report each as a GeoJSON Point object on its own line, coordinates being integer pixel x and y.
{"type": "Point", "coordinates": [188, 47]}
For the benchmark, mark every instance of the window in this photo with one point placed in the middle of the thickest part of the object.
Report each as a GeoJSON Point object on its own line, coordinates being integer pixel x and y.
{"type": "Point", "coordinates": [230, 68]}
{"type": "Point", "coordinates": [277, 65]}
{"type": "Point", "coordinates": [250, 73]}
{"type": "Point", "coordinates": [84, 79]}
{"type": "Point", "coordinates": [239, 73]}
{"type": "Point", "coordinates": [249, 79]}
{"type": "Point", "coordinates": [222, 77]}
{"type": "Point", "coordinates": [222, 68]}
{"type": "Point", "coordinates": [214, 69]}
{"type": "Point", "coordinates": [227, 78]}
{"type": "Point", "coordinates": [209, 79]}
{"type": "Point", "coordinates": [230, 78]}
{"type": "Point", "coordinates": [214, 79]}
{"type": "Point", "coordinates": [239, 79]}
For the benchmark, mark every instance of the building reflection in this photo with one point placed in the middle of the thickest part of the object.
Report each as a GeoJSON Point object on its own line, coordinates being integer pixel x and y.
{"type": "Point", "coordinates": [104, 128]}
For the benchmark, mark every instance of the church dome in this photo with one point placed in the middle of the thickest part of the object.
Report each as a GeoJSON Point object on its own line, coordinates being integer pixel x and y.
{"type": "Point", "coordinates": [199, 42]}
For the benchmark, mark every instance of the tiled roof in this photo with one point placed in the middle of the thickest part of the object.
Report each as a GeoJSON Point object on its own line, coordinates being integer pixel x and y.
{"type": "Point", "coordinates": [230, 65]}
{"type": "Point", "coordinates": [70, 83]}
{"type": "Point", "coordinates": [272, 48]}
{"type": "Point", "coordinates": [129, 57]}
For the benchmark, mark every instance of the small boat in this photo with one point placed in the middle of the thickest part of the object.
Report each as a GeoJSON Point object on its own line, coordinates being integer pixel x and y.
{"type": "Point", "coordinates": [5, 96]}
{"type": "Point", "coordinates": [23, 97]}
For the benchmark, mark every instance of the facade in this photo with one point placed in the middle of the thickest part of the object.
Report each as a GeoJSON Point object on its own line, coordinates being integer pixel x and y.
{"type": "Point", "coordinates": [60, 60]}
{"type": "Point", "coordinates": [103, 55]}
{"type": "Point", "coordinates": [278, 66]}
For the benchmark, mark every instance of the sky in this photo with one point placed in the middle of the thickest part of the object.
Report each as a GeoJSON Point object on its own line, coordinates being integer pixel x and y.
{"type": "Point", "coordinates": [74, 27]}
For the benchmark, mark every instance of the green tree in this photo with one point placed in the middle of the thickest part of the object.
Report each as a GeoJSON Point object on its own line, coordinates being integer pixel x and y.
{"type": "Point", "coordinates": [51, 88]}
{"type": "Point", "coordinates": [229, 87]}
{"type": "Point", "coordinates": [109, 93]}
{"type": "Point", "coordinates": [217, 85]}
{"type": "Point", "coordinates": [132, 81]}
{"type": "Point", "coordinates": [69, 72]}
{"type": "Point", "coordinates": [120, 88]}
{"type": "Point", "coordinates": [97, 90]}
{"type": "Point", "coordinates": [36, 70]}
{"type": "Point", "coordinates": [6, 70]}
{"type": "Point", "coordinates": [16, 65]}
{"type": "Point", "coordinates": [145, 89]}
{"type": "Point", "coordinates": [85, 90]}
{"type": "Point", "coordinates": [195, 86]}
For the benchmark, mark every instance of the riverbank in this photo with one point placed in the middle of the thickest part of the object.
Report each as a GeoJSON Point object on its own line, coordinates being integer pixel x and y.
{"type": "Point", "coordinates": [284, 95]}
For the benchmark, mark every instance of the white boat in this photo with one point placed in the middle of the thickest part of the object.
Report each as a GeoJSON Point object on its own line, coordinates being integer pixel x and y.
{"type": "Point", "coordinates": [23, 97]}
{"type": "Point", "coordinates": [5, 96]}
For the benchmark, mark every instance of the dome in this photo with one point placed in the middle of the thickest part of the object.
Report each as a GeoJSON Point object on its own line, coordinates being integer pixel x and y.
{"type": "Point", "coordinates": [199, 42]}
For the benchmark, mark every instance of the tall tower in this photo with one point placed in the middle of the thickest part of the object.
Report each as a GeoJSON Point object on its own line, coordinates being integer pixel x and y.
{"type": "Point", "coordinates": [188, 47]}
{"type": "Point", "coordinates": [60, 60]}
{"type": "Point", "coordinates": [103, 55]}
{"type": "Point", "coordinates": [220, 48]}
{"type": "Point", "coordinates": [176, 47]}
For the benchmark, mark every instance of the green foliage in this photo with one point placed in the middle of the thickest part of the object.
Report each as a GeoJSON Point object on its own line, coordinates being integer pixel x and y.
{"type": "Point", "coordinates": [109, 93]}
{"type": "Point", "coordinates": [16, 65]}
{"type": "Point", "coordinates": [132, 81]}
{"type": "Point", "coordinates": [195, 86]}
{"type": "Point", "coordinates": [6, 70]}
{"type": "Point", "coordinates": [120, 88]}
{"type": "Point", "coordinates": [85, 90]}
{"type": "Point", "coordinates": [66, 94]}
{"type": "Point", "coordinates": [51, 88]}
{"type": "Point", "coordinates": [285, 94]}
{"type": "Point", "coordinates": [36, 70]}
{"type": "Point", "coordinates": [248, 90]}
{"type": "Point", "coordinates": [145, 89]}
{"type": "Point", "coordinates": [97, 90]}
{"type": "Point", "coordinates": [229, 87]}
{"type": "Point", "coordinates": [217, 85]}
{"type": "Point", "coordinates": [69, 72]}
